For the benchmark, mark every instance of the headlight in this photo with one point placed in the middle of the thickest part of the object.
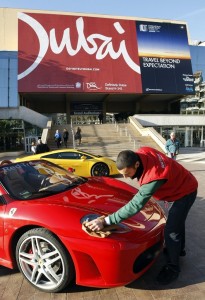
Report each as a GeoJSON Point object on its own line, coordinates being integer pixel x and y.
{"type": "Point", "coordinates": [115, 228]}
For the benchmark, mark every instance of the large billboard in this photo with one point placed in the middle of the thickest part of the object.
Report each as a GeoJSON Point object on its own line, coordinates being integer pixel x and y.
{"type": "Point", "coordinates": [63, 53]}
{"type": "Point", "coordinates": [164, 58]}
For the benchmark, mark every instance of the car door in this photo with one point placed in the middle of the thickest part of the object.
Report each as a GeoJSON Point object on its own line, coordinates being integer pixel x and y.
{"type": "Point", "coordinates": [76, 161]}
{"type": "Point", "coordinates": [71, 159]}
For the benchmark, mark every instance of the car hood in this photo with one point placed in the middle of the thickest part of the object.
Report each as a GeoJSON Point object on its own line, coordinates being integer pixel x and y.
{"type": "Point", "coordinates": [96, 196]}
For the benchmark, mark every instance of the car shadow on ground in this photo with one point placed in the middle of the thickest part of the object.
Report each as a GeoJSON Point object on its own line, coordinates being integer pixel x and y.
{"type": "Point", "coordinates": [74, 288]}
{"type": "Point", "coordinates": [6, 271]}
{"type": "Point", "coordinates": [188, 276]}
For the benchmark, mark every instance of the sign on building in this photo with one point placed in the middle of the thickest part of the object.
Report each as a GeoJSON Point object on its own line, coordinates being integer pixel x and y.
{"type": "Point", "coordinates": [64, 53]}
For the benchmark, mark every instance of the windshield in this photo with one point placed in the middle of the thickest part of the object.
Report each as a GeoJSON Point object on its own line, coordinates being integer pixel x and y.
{"type": "Point", "coordinates": [35, 179]}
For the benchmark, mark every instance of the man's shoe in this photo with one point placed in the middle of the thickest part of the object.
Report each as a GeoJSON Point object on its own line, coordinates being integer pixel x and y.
{"type": "Point", "coordinates": [167, 275]}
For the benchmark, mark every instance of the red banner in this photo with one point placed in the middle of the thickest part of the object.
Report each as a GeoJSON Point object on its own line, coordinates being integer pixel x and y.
{"type": "Point", "coordinates": [62, 53]}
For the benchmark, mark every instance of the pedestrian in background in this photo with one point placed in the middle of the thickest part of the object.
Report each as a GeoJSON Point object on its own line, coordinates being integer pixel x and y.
{"type": "Point", "coordinates": [41, 147]}
{"type": "Point", "coordinates": [100, 117]}
{"type": "Point", "coordinates": [33, 147]}
{"type": "Point", "coordinates": [172, 146]}
{"type": "Point", "coordinates": [5, 162]}
{"type": "Point", "coordinates": [65, 137]}
{"type": "Point", "coordinates": [58, 139]}
{"type": "Point", "coordinates": [78, 135]}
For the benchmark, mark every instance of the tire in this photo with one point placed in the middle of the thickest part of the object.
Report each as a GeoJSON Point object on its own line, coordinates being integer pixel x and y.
{"type": "Point", "coordinates": [100, 169]}
{"type": "Point", "coordinates": [43, 261]}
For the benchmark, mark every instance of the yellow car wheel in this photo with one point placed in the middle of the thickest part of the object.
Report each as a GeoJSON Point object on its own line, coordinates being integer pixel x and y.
{"type": "Point", "coordinates": [100, 169]}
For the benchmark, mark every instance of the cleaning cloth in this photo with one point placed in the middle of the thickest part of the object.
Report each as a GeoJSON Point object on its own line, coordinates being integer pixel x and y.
{"type": "Point", "coordinates": [103, 233]}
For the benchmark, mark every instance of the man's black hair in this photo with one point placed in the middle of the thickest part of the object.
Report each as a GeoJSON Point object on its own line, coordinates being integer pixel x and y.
{"type": "Point", "coordinates": [126, 159]}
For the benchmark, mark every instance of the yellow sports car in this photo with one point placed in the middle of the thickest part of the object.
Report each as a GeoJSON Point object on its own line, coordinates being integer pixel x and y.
{"type": "Point", "coordinates": [80, 162]}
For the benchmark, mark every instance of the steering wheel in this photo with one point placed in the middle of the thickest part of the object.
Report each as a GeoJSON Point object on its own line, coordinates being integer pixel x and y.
{"type": "Point", "coordinates": [45, 182]}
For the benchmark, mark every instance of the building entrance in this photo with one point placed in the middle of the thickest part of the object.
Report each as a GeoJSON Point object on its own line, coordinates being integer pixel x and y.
{"type": "Point", "coordinates": [84, 119]}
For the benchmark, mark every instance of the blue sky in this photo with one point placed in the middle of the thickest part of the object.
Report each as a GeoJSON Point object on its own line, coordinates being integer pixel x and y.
{"type": "Point", "coordinates": [192, 12]}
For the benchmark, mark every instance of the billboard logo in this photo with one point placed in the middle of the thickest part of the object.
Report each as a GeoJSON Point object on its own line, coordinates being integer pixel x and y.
{"type": "Point", "coordinates": [143, 27]}
{"type": "Point", "coordinates": [78, 85]}
{"type": "Point", "coordinates": [92, 86]}
{"type": "Point", "coordinates": [154, 28]}
{"type": "Point", "coordinates": [187, 78]}
{"type": "Point", "coordinates": [153, 90]}
{"type": "Point", "coordinates": [149, 28]}
{"type": "Point", "coordinates": [94, 44]}
{"type": "Point", "coordinates": [189, 89]}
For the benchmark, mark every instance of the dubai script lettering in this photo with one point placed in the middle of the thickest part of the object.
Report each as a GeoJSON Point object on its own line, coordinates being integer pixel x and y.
{"type": "Point", "coordinates": [46, 40]}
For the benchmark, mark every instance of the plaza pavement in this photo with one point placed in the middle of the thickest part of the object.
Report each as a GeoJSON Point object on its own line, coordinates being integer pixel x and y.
{"type": "Point", "coordinates": [189, 286]}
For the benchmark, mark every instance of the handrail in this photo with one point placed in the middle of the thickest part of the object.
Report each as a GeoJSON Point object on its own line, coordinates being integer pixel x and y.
{"type": "Point", "coordinates": [148, 131]}
{"type": "Point", "coordinates": [126, 131]}
{"type": "Point", "coordinates": [46, 132]}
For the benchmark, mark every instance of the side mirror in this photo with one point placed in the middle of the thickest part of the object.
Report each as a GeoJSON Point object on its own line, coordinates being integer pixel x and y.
{"type": "Point", "coordinates": [83, 157]}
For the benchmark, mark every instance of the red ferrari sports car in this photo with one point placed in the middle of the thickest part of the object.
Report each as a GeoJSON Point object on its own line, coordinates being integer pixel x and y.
{"type": "Point", "coordinates": [42, 210]}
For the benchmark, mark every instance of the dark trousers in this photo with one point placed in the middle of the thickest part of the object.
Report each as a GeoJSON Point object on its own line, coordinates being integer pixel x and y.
{"type": "Point", "coordinates": [65, 142]}
{"type": "Point", "coordinates": [175, 228]}
{"type": "Point", "coordinates": [58, 143]}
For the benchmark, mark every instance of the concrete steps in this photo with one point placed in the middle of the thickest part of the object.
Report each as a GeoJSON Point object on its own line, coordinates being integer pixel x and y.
{"type": "Point", "coordinates": [106, 139]}
{"type": "Point", "coordinates": [51, 141]}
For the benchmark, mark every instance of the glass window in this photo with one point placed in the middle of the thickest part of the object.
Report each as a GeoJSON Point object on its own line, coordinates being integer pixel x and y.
{"type": "Point", "coordinates": [11, 135]}
{"type": "Point", "coordinates": [64, 155]}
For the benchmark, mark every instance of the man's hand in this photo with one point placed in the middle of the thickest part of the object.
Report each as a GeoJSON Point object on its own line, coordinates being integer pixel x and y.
{"type": "Point", "coordinates": [96, 224]}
